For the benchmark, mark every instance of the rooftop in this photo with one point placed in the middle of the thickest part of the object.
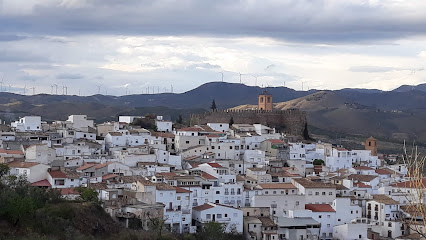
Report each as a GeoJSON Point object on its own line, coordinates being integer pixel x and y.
{"type": "Point", "coordinates": [319, 207]}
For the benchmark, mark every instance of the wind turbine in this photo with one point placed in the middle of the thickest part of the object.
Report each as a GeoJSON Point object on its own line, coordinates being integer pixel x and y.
{"type": "Point", "coordinates": [10, 87]}
{"type": "Point", "coordinates": [64, 90]}
{"type": "Point", "coordinates": [171, 88]}
{"type": "Point", "coordinates": [25, 88]}
{"type": "Point", "coordinates": [302, 84]}
{"type": "Point", "coordinates": [240, 78]}
{"type": "Point", "coordinates": [1, 85]}
{"type": "Point", "coordinates": [99, 88]}
{"type": "Point", "coordinates": [255, 77]}
{"type": "Point", "coordinates": [33, 88]}
{"type": "Point", "coordinates": [222, 76]}
{"type": "Point", "coordinates": [51, 89]}
{"type": "Point", "coordinates": [56, 88]}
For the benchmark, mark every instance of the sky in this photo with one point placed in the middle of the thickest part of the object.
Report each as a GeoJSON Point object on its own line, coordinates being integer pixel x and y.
{"type": "Point", "coordinates": [118, 47]}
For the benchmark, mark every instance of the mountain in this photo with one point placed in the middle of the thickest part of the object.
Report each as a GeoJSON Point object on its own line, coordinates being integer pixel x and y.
{"type": "Point", "coordinates": [407, 88]}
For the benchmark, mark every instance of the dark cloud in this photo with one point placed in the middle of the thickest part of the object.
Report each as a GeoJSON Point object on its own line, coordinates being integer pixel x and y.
{"type": "Point", "coordinates": [20, 56]}
{"type": "Point", "coordinates": [10, 38]}
{"type": "Point", "coordinates": [69, 76]}
{"type": "Point", "coordinates": [307, 21]}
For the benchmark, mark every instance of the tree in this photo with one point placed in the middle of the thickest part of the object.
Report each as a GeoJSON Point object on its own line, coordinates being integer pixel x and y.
{"type": "Point", "coordinates": [88, 194]}
{"type": "Point", "coordinates": [231, 121]}
{"type": "Point", "coordinates": [180, 119]}
{"type": "Point", "coordinates": [213, 106]}
{"type": "Point", "coordinates": [414, 213]}
{"type": "Point", "coordinates": [212, 231]}
{"type": "Point", "coordinates": [318, 162]}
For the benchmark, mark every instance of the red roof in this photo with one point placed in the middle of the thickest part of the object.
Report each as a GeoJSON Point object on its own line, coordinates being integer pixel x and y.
{"type": "Point", "coordinates": [11, 151]}
{"type": "Point", "coordinates": [215, 165]}
{"type": "Point", "coordinates": [363, 168]}
{"type": "Point", "coordinates": [57, 174]}
{"type": "Point", "coordinates": [101, 165]}
{"type": "Point", "coordinates": [86, 166]}
{"type": "Point", "coordinates": [203, 207]}
{"type": "Point", "coordinates": [41, 183]}
{"type": "Point", "coordinates": [69, 191]}
{"type": "Point", "coordinates": [411, 184]}
{"type": "Point", "coordinates": [19, 164]}
{"type": "Point", "coordinates": [319, 207]}
{"type": "Point", "coordinates": [190, 129]}
{"type": "Point", "coordinates": [276, 141]}
{"type": "Point", "coordinates": [109, 176]}
{"type": "Point", "coordinates": [361, 185]}
{"type": "Point", "coordinates": [182, 190]}
{"type": "Point", "coordinates": [383, 171]}
{"type": "Point", "coordinates": [207, 176]}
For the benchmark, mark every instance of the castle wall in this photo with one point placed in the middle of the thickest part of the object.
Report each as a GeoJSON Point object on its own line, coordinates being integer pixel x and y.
{"type": "Point", "coordinates": [286, 121]}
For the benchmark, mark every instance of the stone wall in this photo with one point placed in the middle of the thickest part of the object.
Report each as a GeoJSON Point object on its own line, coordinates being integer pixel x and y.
{"type": "Point", "coordinates": [286, 121]}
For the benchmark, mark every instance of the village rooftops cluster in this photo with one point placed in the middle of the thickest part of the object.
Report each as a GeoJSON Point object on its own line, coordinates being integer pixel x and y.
{"type": "Point", "coordinates": [251, 178]}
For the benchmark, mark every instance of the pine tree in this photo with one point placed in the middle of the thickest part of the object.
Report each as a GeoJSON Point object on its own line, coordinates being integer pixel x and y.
{"type": "Point", "coordinates": [231, 121]}
{"type": "Point", "coordinates": [180, 119]}
{"type": "Point", "coordinates": [213, 106]}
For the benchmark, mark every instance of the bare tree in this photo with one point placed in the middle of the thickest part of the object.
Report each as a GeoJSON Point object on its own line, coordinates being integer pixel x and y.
{"type": "Point", "coordinates": [414, 191]}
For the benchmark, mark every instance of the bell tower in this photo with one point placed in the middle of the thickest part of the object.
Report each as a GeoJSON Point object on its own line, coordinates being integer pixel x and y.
{"type": "Point", "coordinates": [264, 101]}
{"type": "Point", "coordinates": [370, 144]}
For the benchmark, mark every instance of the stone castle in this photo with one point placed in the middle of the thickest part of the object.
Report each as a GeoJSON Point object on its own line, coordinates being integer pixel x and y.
{"type": "Point", "coordinates": [292, 121]}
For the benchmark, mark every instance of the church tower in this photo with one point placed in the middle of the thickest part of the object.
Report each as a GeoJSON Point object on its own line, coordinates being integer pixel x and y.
{"type": "Point", "coordinates": [370, 144]}
{"type": "Point", "coordinates": [265, 101]}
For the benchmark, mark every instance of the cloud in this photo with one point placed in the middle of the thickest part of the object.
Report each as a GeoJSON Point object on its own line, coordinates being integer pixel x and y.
{"type": "Point", "coordinates": [326, 21]}
{"type": "Point", "coordinates": [10, 38]}
{"type": "Point", "coordinates": [375, 69]}
{"type": "Point", "coordinates": [270, 67]}
{"type": "Point", "coordinates": [20, 56]}
{"type": "Point", "coordinates": [69, 76]}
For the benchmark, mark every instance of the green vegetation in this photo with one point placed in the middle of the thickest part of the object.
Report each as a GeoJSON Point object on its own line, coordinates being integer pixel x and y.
{"type": "Point", "coordinates": [213, 106]}
{"type": "Point", "coordinates": [318, 162]}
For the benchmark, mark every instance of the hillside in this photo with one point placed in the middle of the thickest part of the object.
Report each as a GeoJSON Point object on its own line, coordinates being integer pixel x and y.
{"type": "Point", "coordinates": [333, 114]}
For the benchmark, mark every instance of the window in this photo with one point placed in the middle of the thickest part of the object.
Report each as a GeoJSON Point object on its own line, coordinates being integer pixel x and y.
{"type": "Point", "coordinates": [323, 193]}
{"type": "Point", "coordinates": [310, 193]}
{"type": "Point", "coordinates": [328, 216]}
{"type": "Point", "coordinates": [320, 216]}
{"type": "Point", "coordinates": [217, 192]}
{"type": "Point", "coordinates": [226, 215]}
{"type": "Point", "coordinates": [219, 216]}
{"type": "Point", "coordinates": [330, 193]}
{"type": "Point", "coordinates": [187, 142]}
{"type": "Point", "coordinates": [208, 216]}
{"type": "Point", "coordinates": [328, 225]}
{"type": "Point", "coordinates": [178, 198]}
{"type": "Point", "coordinates": [297, 203]}
{"type": "Point", "coordinates": [316, 193]}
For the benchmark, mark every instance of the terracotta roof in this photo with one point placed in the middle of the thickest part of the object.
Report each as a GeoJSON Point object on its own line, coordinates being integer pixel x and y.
{"type": "Point", "coordinates": [98, 186]}
{"type": "Point", "coordinates": [411, 184]}
{"type": "Point", "coordinates": [11, 151]}
{"type": "Point", "coordinates": [361, 178]}
{"type": "Point", "coordinates": [163, 135]}
{"type": "Point", "coordinates": [277, 186]}
{"type": "Point", "coordinates": [163, 186]}
{"type": "Point", "coordinates": [19, 164]}
{"type": "Point", "coordinates": [342, 149]}
{"type": "Point", "coordinates": [284, 174]}
{"type": "Point", "coordinates": [190, 129]}
{"type": "Point", "coordinates": [167, 175]}
{"type": "Point", "coordinates": [131, 179]}
{"type": "Point", "coordinates": [340, 187]}
{"type": "Point", "coordinates": [41, 183]}
{"type": "Point", "coordinates": [363, 168]}
{"type": "Point", "coordinates": [319, 207]}
{"type": "Point", "coordinates": [383, 171]}
{"type": "Point", "coordinates": [207, 176]}
{"type": "Point", "coordinates": [57, 174]}
{"type": "Point", "coordinates": [215, 165]}
{"type": "Point", "coordinates": [361, 185]}
{"type": "Point", "coordinates": [313, 184]}
{"type": "Point", "coordinates": [203, 207]}
{"type": "Point", "coordinates": [267, 222]}
{"type": "Point", "coordinates": [69, 191]}
{"type": "Point", "coordinates": [384, 199]}
{"type": "Point", "coordinates": [115, 133]}
{"type": "Point", "coordinates": [182, 190]}
{"type": "Point", "coordinates": [276, 141]}
{"type": "Point", "coordinates": [101, 165]}
{"type": "Point", "coordinates": [86, 166]}
{"type": "Point", "coordinates": [108, 176]}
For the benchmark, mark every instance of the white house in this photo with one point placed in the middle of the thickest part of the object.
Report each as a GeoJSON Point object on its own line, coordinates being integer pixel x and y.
{"type": "Point", "coordinates": [31, 170]}
{"type": "Point", "coordinates": [80, 122]}
{"type": "Point", "coordinates": [27, 124]}
{"type": "Point", "coordinates": [164, 126]}
{"type": "Point", "coordinates": [322, 213]}
{"type": "Point", "coordinates": [231, 217]}
{"type": "Point", "coordinates": [350, 231]}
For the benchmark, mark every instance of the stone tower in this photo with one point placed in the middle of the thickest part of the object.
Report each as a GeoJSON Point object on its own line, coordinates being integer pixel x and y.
{"type": "Point", "coordinates": [371, 144]}
{"type": "Point", "coordinates": [264, 101]}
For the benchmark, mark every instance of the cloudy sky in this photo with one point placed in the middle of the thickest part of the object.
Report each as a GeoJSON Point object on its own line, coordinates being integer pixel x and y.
{"type": "Point", "coordinates": [134, 45]}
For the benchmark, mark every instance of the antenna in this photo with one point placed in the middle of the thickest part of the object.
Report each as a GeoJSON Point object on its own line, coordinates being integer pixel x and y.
{"type": "Point", "coordinates": [99, 88]}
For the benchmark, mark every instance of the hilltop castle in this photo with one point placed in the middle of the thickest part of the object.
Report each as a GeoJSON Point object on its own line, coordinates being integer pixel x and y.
{"type": "Point", "coordinates": [292, 121]}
